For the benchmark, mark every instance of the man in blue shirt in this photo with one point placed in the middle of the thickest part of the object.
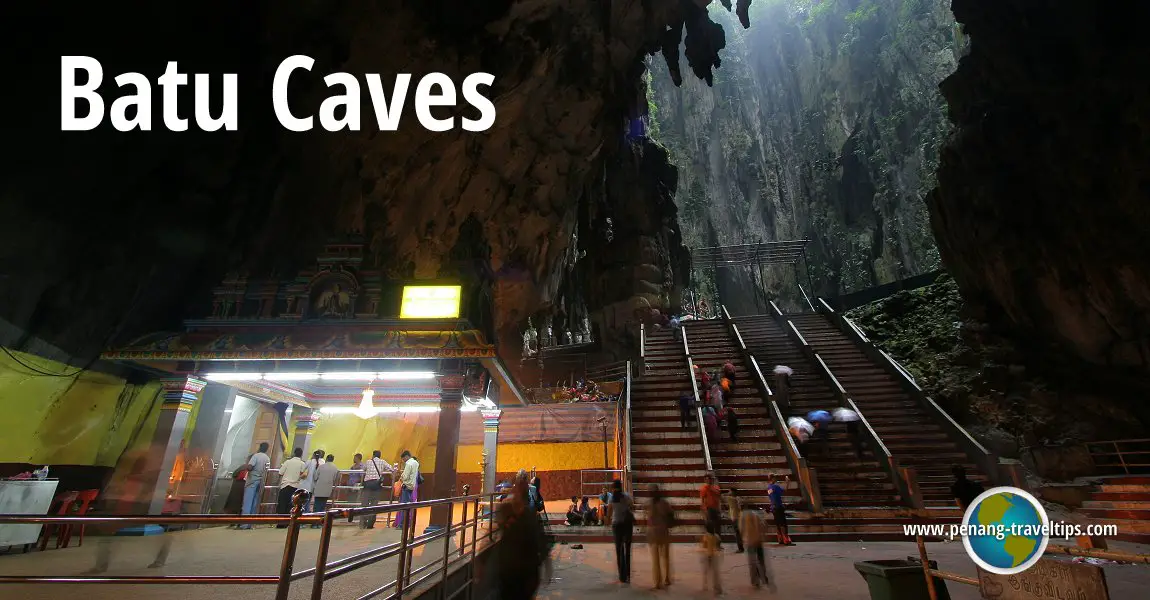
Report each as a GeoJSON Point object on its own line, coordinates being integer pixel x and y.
{"type": "Point", "coordinates": [779, 510]}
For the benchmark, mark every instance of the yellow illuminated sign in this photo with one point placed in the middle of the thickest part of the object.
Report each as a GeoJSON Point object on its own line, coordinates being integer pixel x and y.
{"type": "Point", "coordinates": [430, 302]}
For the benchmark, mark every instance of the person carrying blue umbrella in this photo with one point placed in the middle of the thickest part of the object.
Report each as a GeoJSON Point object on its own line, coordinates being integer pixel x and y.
{"type": "Point", "coordinates": [821, 421]}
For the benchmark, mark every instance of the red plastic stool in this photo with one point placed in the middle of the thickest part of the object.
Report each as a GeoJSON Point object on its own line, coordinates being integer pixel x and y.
{"type": "Point", "coordinates": [63, 503]}
{"type": "Point", "coordinates": [85, 498]}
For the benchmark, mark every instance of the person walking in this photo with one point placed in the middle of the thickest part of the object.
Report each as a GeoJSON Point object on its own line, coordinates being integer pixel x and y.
{"type": "Point", "coordinates": [323, 485]}
{"type": "Point", "coordinates": [709, 495]}
{"type": "Point", "coordinates": [751, 525]}
{"type": "Point", "coordinates": [734, 511]}
{"type": "Point", "coordinates": [373, 471]}
{"type": "Point", "coordinates": [254, 486]}
{"type": "Point", "coordinates": [660, 520]}
{"type": "Point", "coordinates": [409, 479]}
{"type": "Point", "coordinates": [686, 409]}
{"type": "Point", "coordinates": [778, 510]}
{"type": "Point", "coordinates": [621, 514]}
{"type": "Point", "coordinates": [290, 473]}
{"type": "Point", "coordinates": [964, 490]}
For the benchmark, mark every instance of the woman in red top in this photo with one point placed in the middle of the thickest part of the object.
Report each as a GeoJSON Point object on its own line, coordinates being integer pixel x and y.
{"type": "Point", "coordinates": [709, 496]}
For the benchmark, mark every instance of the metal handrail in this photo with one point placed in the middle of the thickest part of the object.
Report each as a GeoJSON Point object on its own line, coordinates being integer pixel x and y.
{"type": "Point", "coordinates": [802, 340]}
{"type": "Point", "coordinates": [627, 466]}
{"type": "Point", "coordinates": [686, 348]}
{"type": "Point", "coordinates": [807, 298]}
{"type": "Point", "coordinates": [295, 520]}
{"type": "Point", "coordinates": [642, 341]}
{"type": "Point", "coordinates": [778, 314]}
{"type": "Point", "coordinates": [807, 478]}
{"type": "Point", "coordinates": [699, 411]}
{"type": "Point", "coordinates": [738, 337]}
{"type": "Point", "coordinates": [1120, 453]}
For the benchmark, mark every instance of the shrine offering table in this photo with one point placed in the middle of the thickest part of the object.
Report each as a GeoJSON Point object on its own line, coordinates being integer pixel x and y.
{"type": "Point", "coordinates": [24, 497]}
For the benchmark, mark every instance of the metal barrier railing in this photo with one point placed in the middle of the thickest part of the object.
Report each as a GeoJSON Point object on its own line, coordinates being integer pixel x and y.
{"type": "Point", "coordinates": [600, 479]}
{"type": "Point", "coordinates": [408, 576]}
{"type": "Point", "coordinates": [1132, 456]}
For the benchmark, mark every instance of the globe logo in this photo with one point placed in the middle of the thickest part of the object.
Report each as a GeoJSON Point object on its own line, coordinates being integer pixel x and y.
{"type": "Point", "coordinates": [1006, 530]}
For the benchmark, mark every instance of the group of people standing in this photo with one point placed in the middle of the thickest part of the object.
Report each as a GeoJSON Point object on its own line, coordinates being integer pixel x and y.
{"type": "Point", "coordinates": [318, 477]}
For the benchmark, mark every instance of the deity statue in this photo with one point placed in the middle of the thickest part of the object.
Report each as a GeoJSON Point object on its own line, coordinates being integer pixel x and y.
{"type": "Point", "coordinates": [567, 339]}
{"type": "Point", "coordinates": [550, 339]}
{"type": "Point", "coordinates": [530, 339]}
{"type": "Point", "coordinates": [587, 328]}
{"type": "Point", "coordinates": [333, 302]}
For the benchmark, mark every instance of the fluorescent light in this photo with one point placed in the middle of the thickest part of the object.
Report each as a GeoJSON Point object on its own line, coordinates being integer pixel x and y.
{"type": "Point", "coordinates": [290, 376]}
{"type": "Point", "coordinates": [405, 375]}
{"type": "Point", "coordinates": [333, 410]}
{"type": "Point", "coordinates": [230, 376]}
{"type": "Point", "coordinates": [348, 376]}
{"type": "Point", "coordinates": [334, 376]}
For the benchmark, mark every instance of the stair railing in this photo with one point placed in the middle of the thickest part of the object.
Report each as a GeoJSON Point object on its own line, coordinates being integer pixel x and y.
{"type": "Point", "coordinates": [1004, 472]}
{"type": "Point", "coordinates": [807, 298]}
{"type": "Point", "coordinates": [643, 348]}
{"type": "Point", "coordinates": [623, 432]}
{"type": "Point", "coordinates": [903, 480]}
{"type": "Point", "coordinates": [807, 476]}
{"type": "Point", "coordinates": [698, 402]}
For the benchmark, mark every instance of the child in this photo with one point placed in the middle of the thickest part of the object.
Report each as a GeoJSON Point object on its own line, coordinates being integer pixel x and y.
{"type": "Point", "coordinates": [710, 549]}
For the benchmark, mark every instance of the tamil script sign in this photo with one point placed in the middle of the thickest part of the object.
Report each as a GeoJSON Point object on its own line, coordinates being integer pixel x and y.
{"type": "Point", "coordinates": [1048, 579]}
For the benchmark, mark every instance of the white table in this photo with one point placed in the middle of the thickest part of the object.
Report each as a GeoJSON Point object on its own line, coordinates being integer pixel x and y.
{"type": "Point", "coordinates": [27, 497]}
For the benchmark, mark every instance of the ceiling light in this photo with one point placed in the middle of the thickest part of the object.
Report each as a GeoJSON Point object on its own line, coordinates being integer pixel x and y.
{"type": "Point", "coordinates": [366, 410]}
{"type": "Point", "coordinates": [335, 376]}
{"type": "Point", "coordinates": [376, 410]}
{"type": "Point", "coordinates": [404, 375]}
{"type": "Point", "coordinates": [290, 376]}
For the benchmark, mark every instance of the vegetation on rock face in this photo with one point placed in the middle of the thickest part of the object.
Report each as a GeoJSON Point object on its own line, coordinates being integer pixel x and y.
{"type": "Point", "coordinates": [1011, 394]}
{"type": "Point", "coordinates": [824, 123]}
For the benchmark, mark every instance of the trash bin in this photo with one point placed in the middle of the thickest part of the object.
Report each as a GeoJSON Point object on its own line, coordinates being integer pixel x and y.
{"type": "Point", "coordinates": [899, 580]}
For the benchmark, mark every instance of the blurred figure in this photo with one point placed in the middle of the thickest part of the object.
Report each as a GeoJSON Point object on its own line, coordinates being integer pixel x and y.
{"type": "Point", "coordinates": [254, 485]}
{"type": "Point", "coordinates": [735, 511]}
{"type": "Point", "coordinates": [660, 520]}
{"type": "Point", "coordinates": [686, 410]}
{"type": "Point", "coordinates": [590, 513]}
{"type": "Point", "coordinates": [521, 550]}
{"type": "Point", "coordinates": [234, 504]}
{"type": "Point", "coordinates": [709, 545]}
{"type": "Point", "coordinates": [751, 525]}
{"type": "Point", "coordinates": [621, 513]}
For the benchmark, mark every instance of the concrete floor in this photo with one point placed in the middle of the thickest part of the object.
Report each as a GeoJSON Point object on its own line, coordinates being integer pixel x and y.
{"type": "Point", "coordinates": [812, 571]}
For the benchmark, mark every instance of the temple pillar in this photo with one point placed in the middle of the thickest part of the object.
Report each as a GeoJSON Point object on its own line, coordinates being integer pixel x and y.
{"type": "Point", "coordinates": [490, 448]}
{"type": "Point", "coordinates": [305, 422]}
{"type": "Point", "coordinates": [180, 395]}
{"type": "Point", "coordinates": [446, 444]}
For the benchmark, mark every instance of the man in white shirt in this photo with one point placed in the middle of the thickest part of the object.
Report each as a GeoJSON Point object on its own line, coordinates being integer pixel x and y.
{"type": "Point", "coordinates": [410, 482]}
{"type": "Point", "coordinates": [254, 486]}
{"type": "Point", "coordinates": [290, 473]}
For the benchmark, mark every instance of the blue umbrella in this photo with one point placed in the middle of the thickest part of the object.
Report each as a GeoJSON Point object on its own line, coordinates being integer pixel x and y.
{"type": "Point", "coordinates": [819, 416]}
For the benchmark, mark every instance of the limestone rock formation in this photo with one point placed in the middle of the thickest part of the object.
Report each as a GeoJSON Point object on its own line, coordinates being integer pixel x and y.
{"type": "Point", "coordinates": [1041, 208]}
{"type": "Point", "coordinates": [824, 123]}
{"type": "Point", "coordinates": [110, 235]}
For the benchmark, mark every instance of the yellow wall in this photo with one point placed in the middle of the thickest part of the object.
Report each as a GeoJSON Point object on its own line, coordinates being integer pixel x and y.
{"type": "Point", "coordinates": [89, 419]}
{"type": "Point", "coordinates": [570, 456]}
{"type": "Point", "coordinates": [346, 434]}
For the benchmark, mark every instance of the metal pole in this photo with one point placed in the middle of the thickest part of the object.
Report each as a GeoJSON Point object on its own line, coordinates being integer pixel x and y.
{"type": "Point", "coordinates": [807, 268]}
{"type": "Point", "coordinates": [402, 562]}
{"type": "Point", "coordinates": [447, 542]}
{"type": "Point", "coordinates": [290, 544]}
{"type": "Point", "coordinates": [463, 524]}
{"type": "Point", "coordinates": [321, 556]}
{"type": "Point", "coordinates": [926, 567]}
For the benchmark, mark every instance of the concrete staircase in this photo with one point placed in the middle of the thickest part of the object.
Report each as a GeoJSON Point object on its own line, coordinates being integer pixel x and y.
{"type": "Point", "coordinates": [845, 479]}
{"type": "Point", "coordinates": [1123, 501]}
{"type": "Point", "coordinates": [908, 431]}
